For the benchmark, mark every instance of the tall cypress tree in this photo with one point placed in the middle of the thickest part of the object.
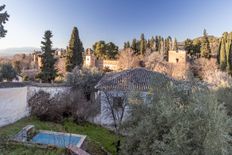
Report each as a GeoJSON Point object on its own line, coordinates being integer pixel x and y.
{"type": "Point", "coordinates": [225, 52]}
{"type": "Point", "coordinates": [48, 71]}
{"type": "Point", "coordinates": [222, 53]}
{"type": "Point", "coordinates": [152, 43]}
{"type": "Point", "coordinates": [142, 44]}
{"type": "Point", "coordinates": [156, 43]}
{"type": "Point", "coordinates": [74, 51]}
{"type": "Point", "coordinates": [228, 52]}
{"type": "Point", "coordinates": [134, 45]}
{"type": "Point", "coordinates": [205, 47]}
{"type": "Point", "coordinates": [175, 46]}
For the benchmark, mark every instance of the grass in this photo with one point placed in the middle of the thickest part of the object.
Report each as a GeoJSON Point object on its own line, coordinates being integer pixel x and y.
{"type": "Point", "coordinates": [96, 134]}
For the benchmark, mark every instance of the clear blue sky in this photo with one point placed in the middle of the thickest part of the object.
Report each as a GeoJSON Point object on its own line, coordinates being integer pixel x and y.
{"type": "Point", "coordinates": [112, 20]}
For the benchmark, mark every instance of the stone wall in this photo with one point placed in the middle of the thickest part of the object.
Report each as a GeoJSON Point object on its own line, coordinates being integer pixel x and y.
{"type": "Point", "coordinates": [179, 56]}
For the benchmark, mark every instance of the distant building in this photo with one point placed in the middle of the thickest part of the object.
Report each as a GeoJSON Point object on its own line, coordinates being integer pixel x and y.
{"type": "Point", "coordinates": [179, 56]}
{"type": "Point", "coordinates": [37, 57]}
{"type": "Point", "coordinates": [92, 61]}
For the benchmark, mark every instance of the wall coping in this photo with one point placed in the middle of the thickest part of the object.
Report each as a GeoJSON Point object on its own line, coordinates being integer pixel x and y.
{"type": "Point", "coordinates": [35, 84]}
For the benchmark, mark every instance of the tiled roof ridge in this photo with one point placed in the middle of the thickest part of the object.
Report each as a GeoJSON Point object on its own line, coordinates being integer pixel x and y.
{"type": "Point", "coordinates": [117, 80]}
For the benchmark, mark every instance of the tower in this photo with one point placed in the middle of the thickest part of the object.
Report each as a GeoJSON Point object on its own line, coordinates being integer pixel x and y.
{"type": "Point", "coordinates": [90, 58]}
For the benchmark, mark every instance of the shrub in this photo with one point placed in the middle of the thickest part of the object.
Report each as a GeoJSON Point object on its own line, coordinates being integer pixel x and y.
{"type": "Point", "coordinates": [45, 108]}
{"type": "Point", "coordinates": [7, 72]}
{"type": "Point", "coordinates": [61, 106]}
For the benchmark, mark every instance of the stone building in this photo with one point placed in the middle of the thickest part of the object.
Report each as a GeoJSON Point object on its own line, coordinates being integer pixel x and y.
{"type": "Point", "coordinates": [179, 56]}
{"type": "Point", "coordinates": [92, 61]}
{"type": "Point", "coordinates": [37, 57]}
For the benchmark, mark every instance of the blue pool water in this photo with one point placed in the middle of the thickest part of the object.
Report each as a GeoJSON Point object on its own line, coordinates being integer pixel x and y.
{"type": "Point", "coordinates": [59, 140]}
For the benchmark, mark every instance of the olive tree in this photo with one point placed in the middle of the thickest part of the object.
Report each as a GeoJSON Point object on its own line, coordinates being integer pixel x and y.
{"type": "Point", "coordinates": [170, 125]}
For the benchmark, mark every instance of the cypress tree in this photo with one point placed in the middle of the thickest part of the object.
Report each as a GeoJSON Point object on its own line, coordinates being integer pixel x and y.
{"type": "Point", "coordinates": [156, 43]}
{"type": "Point", "coordinates": [134, 45]}
{"type": "Point", "coordinates": [142, 44]}
{"type": "Point", "coordinates": [149, 44]}
{"type": "Point", "coordinates": [222, 54]}
{"type": "Point", "coordinates": [152, 42]}
{"type": "Point", "coordinates": [224, 57]}
{"type": "Point", "coordinates": [125, 45]}
{"type": "Point", "coordinates": [205, 47]}
{"type": "Point", "coordinates": [128, 44]}
{"type": "Point", "coordinates": [228, 52]}
{"type": "Point", "coordinates": [175, 46]}
{"type": "Point", "coordinates": [74, 51]}
{"type": "Point", "coordinates": [48, 71]}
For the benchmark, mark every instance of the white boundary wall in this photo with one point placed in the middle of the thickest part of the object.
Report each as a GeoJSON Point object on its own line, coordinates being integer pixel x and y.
{"type": "Point", "coordinates": [14, 101]}
{"type": "Point", "coordinates": [13, 105]}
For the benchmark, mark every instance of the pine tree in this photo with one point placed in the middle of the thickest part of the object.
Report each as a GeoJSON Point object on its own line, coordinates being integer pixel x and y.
{"type": "Point", "coordinates": [3, 18]}
{"type": "Point", "coordinates": [74, 51]}
{"type": "Point", "coordinates": [48, 71]}
{"type": "Point", "coordinates": [205, 46]}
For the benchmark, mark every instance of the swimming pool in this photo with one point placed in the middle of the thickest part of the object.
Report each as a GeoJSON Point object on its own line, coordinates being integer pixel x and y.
{"type": "Point", "coordinates": [58, 139]}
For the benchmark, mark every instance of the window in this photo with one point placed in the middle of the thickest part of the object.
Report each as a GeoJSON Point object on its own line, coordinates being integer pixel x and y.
{"type": "Point", "coordinates": [177, 60]}
{"type": "Point", "coordinates": [117, 102]}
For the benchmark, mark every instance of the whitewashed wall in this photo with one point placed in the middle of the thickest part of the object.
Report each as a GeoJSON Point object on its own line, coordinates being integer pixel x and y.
{"type": "Point", "coordinates": [14, 101]}
{"type": "Point", "coordinates": [13, 105]}
{"type": "Point", "coordinates": [104, 118]}
{"type": "Point", "coordinates": [32, 90]}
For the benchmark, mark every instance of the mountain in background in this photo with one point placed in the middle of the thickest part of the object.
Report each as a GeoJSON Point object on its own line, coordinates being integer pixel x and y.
{"type": "Point", "coordinates": [12, 51]}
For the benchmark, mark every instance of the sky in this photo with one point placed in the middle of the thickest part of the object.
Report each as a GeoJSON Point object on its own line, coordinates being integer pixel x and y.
{"type": "Point", "coordinates": [112, 20]}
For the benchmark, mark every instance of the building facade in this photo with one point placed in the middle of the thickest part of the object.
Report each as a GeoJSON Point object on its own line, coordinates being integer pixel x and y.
{"type": "Point", "coordinates": [92, 61]}
{"type": "Point", "coordinates": [179, 56]}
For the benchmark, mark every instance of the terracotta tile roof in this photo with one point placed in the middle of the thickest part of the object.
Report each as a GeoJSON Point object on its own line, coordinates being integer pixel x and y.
{"type": "Point", "coordinates": [138, 79]}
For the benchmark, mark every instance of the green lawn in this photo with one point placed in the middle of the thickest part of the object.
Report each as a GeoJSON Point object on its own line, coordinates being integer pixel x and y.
{"type": "Point", "coordinates": [97, 135]}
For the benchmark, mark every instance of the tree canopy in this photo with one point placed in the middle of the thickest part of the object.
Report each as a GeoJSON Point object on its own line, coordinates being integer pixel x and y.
{"type": "Point", "coordinates": [3, 18]}
{"type": "Point", "coordinates": [105, 50]}
{"type": "Point", "coordinates": [7, 72]}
